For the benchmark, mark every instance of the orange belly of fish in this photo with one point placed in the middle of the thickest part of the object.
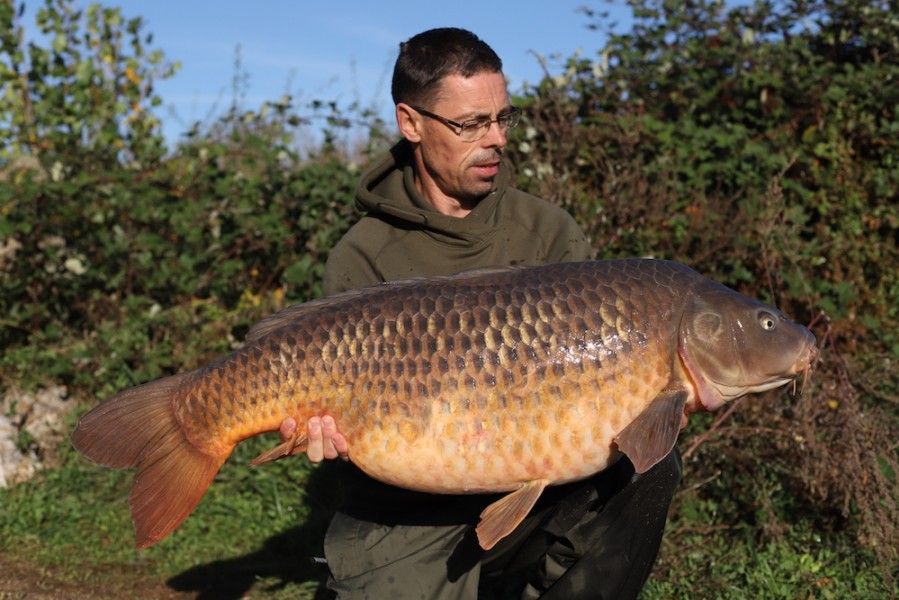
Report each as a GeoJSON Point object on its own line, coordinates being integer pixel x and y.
{"type": "Point", "coordinates": [495, 441]}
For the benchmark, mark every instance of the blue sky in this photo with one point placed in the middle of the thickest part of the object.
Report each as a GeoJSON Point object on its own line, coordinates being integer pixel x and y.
{"type": "Point", "coordinates": [340, 50]}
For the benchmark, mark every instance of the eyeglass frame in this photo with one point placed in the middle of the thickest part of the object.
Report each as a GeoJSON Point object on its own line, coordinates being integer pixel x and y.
{"type": "Point", "coordinates": [481, 124]}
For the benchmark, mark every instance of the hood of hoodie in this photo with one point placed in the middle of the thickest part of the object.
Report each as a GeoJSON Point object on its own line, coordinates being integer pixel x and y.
{"type": "Point", "coordinates": [388, 188]}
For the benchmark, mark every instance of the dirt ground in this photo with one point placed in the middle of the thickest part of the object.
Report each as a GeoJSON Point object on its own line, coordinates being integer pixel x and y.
{"type": "Point", "coordinates": [21, 580]}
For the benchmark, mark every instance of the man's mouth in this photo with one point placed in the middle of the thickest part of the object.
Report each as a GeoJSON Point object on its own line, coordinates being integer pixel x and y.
{"type": "Point", "coordinates": [487, 170]}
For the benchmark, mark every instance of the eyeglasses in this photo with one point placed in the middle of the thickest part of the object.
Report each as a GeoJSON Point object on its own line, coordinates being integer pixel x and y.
{"type": "Point", "coordinates": [474, 129]}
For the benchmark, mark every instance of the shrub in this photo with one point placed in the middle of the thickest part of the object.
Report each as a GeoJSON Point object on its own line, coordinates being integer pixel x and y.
{"type": "Point", "coordinates": [758, 145]}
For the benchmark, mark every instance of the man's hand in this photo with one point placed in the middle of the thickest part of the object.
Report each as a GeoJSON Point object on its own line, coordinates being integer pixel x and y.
{"type": "Point", "coordinates": [324, 441]}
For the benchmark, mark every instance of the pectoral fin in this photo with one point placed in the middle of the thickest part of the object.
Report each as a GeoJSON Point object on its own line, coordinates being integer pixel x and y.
{"type": "Point", "coordinates": [651, 436]}
{"type": "Point", "coordinates": [500, 518]}
{"type": "Point", "coordinates": [295, 445]}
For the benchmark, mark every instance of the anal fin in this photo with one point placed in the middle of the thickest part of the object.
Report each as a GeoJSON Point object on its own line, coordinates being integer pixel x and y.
{"type": "Point", "coordinates": [295, 445]}
{"type": "Point", "coordinates": [651, 436]}
{"type": "Point", "coordinates": [500, 518]}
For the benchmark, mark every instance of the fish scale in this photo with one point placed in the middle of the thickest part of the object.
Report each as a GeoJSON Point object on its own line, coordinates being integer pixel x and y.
{"type": "Point", "coordinates": [483, 367]}
{"type": "Point", "coordinates": [504, 379]}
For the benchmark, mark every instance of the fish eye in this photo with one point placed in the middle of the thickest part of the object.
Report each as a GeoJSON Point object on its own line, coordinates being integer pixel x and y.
{"type": "Point", "coordinates": [767, 321]}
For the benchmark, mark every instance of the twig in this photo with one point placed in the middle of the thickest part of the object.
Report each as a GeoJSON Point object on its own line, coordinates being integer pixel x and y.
{"type": "Point", "coordinates": [705, 435]}
{"type": "Point", "coordinates": [696, 486]}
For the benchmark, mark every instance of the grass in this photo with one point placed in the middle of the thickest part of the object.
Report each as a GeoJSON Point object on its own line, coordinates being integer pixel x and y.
{"type": "Point", "coordinates": [256, 530]}
{"type": "Point", "coordinates": [708, 554]}
{"type": "Point", "coordinates": [255, 533]}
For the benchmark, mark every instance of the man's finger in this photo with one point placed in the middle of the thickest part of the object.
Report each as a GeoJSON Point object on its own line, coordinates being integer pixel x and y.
{"type": "Point", "coordinates": [340, 444]}
{"type": "Point", "coordinates": [315, 449]}
{"type": "Point", "coordinates": [329, 429]}
{"type": "Point", "coordinates": [287, 429]}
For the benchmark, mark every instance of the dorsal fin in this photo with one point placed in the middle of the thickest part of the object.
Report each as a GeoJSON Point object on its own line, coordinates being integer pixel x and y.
{"type": "Point", "coordinates": [287, 315]}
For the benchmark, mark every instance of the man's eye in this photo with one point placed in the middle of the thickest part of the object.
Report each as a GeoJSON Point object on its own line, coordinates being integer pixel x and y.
{"type": "Point", "coordinates": [476, 124]}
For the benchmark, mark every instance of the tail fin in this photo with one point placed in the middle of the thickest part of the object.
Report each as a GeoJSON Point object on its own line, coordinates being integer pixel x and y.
{"type": "Point", "coordinates": [137, 428]}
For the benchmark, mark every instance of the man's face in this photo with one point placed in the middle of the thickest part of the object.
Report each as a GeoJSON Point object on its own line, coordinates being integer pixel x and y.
{"type": "Point", "coordinates": [453, 170]}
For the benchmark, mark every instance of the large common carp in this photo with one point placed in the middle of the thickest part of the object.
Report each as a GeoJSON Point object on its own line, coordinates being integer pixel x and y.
{"type": "Point", "coordinates": [505, 379]}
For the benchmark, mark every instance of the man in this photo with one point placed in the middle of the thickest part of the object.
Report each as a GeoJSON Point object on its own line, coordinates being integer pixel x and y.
{"type": "Point", "coordinates": [439, 203]}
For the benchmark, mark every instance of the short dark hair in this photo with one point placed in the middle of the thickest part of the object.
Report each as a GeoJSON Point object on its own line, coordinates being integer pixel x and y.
{"type": "Point", "coordinates": [425, 59]}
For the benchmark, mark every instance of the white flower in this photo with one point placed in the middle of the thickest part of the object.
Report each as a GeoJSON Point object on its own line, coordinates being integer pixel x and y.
{"type": "Point", "coordinates": [74, 265]}
{"type": "Point", "coordinates": [56, 171]}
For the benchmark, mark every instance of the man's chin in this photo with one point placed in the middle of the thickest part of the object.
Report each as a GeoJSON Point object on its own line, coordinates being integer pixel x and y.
{"type": "Point", "coordinates": [477, 192]}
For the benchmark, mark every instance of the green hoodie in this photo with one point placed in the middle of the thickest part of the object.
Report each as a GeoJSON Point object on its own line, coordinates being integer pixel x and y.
{"type": "Point", "coordinates": [401, 235]}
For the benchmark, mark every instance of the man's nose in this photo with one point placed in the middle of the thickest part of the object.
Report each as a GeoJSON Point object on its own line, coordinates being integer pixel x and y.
{"type": "Point", "coordinates": [496, 135]}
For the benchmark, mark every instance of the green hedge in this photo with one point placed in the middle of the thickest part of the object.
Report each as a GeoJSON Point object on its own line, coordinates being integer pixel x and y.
{"type": "Point", "coordinates": [757, 144]}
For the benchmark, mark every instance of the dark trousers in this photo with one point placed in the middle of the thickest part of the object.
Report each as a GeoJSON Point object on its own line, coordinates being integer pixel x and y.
{"type": "Point", "coordinates": [592, 539]}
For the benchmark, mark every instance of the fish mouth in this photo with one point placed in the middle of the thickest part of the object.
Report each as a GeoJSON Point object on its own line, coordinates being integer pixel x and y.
{"type": "Point", "coordinates": [726, 393]}
{"type": "Point", "coordinates": [803, 367]}
{"type": "Point", "coordinates": [808, 357]}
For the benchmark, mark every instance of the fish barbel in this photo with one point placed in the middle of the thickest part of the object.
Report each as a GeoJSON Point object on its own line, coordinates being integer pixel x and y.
{"type": "Point", "coordinates": [502, 379]}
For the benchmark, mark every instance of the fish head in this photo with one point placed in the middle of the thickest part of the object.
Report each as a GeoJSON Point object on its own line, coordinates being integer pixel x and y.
{"type": "Point", "coordinates": [731, 345]}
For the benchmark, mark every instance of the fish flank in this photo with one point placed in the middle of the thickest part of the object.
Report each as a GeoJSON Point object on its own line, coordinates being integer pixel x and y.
{"type": "Point", "coordinates": [484, 382]}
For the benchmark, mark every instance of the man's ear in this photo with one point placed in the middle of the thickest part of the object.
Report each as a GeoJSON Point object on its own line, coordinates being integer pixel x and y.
{"type": "Point", "coordinates": [409, 122]}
